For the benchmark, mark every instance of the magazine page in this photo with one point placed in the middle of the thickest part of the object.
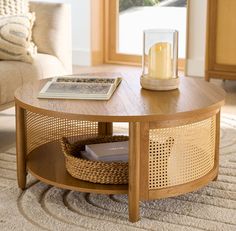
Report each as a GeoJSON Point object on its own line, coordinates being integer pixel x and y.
{"type": "Point", "coordinates": [85, 80]}
{"type": "Point", "coordinates": [75, 89]}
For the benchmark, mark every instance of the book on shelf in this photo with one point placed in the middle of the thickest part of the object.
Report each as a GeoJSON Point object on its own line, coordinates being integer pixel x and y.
{"type": "Point", "coordinates": [107, 152]}
{"type": "Point", "coordinates": [80, 87]}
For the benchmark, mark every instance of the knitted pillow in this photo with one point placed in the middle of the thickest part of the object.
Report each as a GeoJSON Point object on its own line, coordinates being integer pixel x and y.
{"type": "Point", "coordinates": [15, 37]}
{"type": "Point", "coordinates": [14, 7]}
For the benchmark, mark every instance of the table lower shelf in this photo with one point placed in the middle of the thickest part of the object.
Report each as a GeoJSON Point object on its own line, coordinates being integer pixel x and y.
{"type": "Point", "coordinates": [47, 164]}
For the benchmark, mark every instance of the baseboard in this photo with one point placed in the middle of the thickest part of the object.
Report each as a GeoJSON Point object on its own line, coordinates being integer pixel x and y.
{"type": "Point", "coordinates": [195, 67]}
{"type": "Point", "coordinates": [6, 106]}
{"type": "Point", "coordinates": [81, 57]}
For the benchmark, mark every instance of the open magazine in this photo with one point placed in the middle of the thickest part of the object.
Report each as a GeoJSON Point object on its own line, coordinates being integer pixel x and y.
{"type": "Point", "coordinates": [80, 87]}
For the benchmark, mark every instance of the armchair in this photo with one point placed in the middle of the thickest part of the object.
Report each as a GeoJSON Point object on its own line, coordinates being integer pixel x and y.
{"type": "Point", "coordinates": [52, 36]}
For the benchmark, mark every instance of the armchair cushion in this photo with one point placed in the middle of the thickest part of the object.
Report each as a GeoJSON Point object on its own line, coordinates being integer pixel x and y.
{"type": "Point", "coordinates": [13, 74]}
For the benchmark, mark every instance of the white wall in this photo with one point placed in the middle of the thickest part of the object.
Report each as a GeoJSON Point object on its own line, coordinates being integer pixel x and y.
{"type": "Point", "coordinates": [197, 38]}
{"type": "Point", "coordinates": [81, 47]}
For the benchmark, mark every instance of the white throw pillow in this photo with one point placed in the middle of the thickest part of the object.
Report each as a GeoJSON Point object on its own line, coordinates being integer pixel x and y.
{"type": "Point", "coordinates": [15, 37]}
{"type": "Point", "coordinates": [14, 7]}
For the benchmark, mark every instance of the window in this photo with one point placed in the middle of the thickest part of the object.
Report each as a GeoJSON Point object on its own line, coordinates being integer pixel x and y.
{"type": "Point", "coordinates": [126, 20]}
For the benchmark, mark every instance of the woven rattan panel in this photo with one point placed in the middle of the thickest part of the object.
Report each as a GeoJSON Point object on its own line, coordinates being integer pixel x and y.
{"type": "Point", "coordinates": [42, 129]}
{"type": "Point", "coordinates": [181, 154]}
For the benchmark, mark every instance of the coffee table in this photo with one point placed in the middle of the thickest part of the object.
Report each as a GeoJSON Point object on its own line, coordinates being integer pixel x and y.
{"type": "Point", "coordinates": [173, 137]}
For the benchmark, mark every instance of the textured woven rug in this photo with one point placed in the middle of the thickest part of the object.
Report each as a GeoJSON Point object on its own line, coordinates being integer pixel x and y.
{"type": "Point", "coordinates": [43, 207]}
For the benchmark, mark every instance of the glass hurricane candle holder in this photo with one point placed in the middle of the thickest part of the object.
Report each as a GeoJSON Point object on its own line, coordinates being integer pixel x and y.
{"type": "Point", "coordinates": [160, 60]}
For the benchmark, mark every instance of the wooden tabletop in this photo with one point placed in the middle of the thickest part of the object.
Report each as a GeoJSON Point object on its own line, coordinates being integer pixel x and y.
{"type": "Point", "coordinates": [129, 103]}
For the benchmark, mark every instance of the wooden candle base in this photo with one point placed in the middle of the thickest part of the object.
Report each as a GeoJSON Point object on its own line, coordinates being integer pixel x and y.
{"type": "Point", "coordinates": [159, 84]}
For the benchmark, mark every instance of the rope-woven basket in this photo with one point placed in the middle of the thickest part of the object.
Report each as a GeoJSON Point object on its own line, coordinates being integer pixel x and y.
{"type": "Point", "coordinates": [94, 171]}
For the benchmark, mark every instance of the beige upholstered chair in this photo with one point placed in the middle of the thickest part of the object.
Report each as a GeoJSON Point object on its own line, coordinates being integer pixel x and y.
{"type": "Point", "coordinates": [52, 35]}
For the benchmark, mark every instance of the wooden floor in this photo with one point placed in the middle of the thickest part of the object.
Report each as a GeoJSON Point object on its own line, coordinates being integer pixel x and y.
{"type": "Point", "coordinates": [7, 117]}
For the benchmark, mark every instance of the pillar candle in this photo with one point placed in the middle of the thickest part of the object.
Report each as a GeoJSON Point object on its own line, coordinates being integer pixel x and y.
{"type": "Point", "coordinates": [159, 60]}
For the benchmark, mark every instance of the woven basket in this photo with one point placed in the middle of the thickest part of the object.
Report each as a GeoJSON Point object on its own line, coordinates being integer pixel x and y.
{"type": "Point", "coordinates": [94, 171]}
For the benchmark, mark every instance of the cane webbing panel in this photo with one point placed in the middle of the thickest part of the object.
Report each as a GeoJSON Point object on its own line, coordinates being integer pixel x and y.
{"type": "Point", "coordinates": [42, 129]}
{"type": "Point", "coordinates": [181, 154]}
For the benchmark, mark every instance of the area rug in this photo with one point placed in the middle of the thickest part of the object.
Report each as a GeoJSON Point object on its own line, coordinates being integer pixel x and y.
{"type": "Point", "coordinates": [43, 207]}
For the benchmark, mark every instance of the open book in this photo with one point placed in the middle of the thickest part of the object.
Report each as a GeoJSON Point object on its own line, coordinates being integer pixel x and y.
{"type": "Point", "coordinates": [80, 87]}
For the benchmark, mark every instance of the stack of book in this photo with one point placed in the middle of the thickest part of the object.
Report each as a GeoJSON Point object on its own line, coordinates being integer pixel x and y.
{"type": "Point", "coordinates": [107, 152]}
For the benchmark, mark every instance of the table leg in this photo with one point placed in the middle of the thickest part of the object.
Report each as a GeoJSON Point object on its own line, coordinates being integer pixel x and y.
{"type": "Point", "coordinates": [105, 128]}
{"type": "Point", "coordinates": [217, 143]}
{"type": "Point", "coordinates": [20, 147]}
{"type": "Point", "coordinates": [134, 171]}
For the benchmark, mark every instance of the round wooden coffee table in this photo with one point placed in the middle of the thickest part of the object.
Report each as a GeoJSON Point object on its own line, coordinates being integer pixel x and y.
{"type": "Point", "coordinates": [173, 137]}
